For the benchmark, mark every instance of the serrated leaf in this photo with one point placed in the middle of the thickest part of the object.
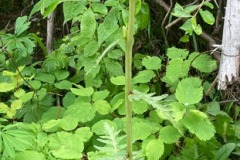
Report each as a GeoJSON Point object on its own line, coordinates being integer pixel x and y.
{"type": "Point", "coordinates": [173, 53]}
{"type": "Point", "coordinates": [21, 25]}
{"type": "Point", "coordinates": [151, 63]}
{"type": "Point", "coordinates": [72, 9]}
{"type": "Point", "coordinates": [207, 16]}
{"type": "Point", "coordinates": [144, 76]}
{"type": "Point", "coordinates": [169, 134]}
{"type": "Point", "coordinates": [204, 63]}
{"type": "Point", "coordinates": [154, 149]}
{"type": "Point", "coordinates": [189, 91]}
{"type": "Point", "coordinates": [113, 67]}
{"type": "Point", "coordinates": [198, 123]}
{"type": "Point", "coordinates": [88, 24]}
{"type": "Point", "coordinates": [80, 110]}
{"type": "Point", "coordinates": [5, 87]}
{"type": "Point", "coordinates": [119, 80]}
{"type": "Point", "coordinates": [65, 145]}
{"type": "Point", "coordinates": [102, 107]}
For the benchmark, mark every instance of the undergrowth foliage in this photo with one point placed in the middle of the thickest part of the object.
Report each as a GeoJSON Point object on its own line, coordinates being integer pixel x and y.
{"type": "Point", "coordinates": [71, 104]}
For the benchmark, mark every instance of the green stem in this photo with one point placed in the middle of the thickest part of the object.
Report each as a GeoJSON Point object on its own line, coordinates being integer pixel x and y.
{"type": "Point", "coordinates": [128, 74]}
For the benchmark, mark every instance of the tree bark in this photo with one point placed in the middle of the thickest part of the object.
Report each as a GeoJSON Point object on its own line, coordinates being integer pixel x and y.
{"type": "Point", "coordinates": [50, 27]}
{"type": "Point", "coordinates": [229, 63]}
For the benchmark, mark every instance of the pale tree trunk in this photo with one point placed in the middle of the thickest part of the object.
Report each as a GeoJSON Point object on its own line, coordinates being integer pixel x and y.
{"type": "Point", "coordinates": [229, 64]}
{"type": "Point", "coordinates": [50, 27]}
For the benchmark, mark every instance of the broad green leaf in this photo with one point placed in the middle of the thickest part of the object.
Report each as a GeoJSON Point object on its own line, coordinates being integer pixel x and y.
{"type": "Point", "coordinates": [152, 63]}
{"type": "Point", "coordinates": [3, 108]}
{"type": "Point", "coordinates": [143, 16]}
{"type": "Point", "coordinates": [99, 8]}
{"type": "Point", "coordinates": [102, 107]}
{"type": "Point", "coordinates": [68, 123]}
{"type": "Point", "coordinates": [198, 123]}
{"type": "Point", "coordinates": [61, 74]}
{"type": "Point", "coordinates": [82, 91]}
{"type": "Point", "coordinates": [51, 125]}
{"type": "Point", "coordinates": [88, 24]}
{"type": "Point", "coordinates": [73, 9]}
{"type": "Point", "coordinates": [154, 149]}
{"type": "Point", "coordinates": [173, 53]}
{"type": "Point", "coordinates": [45, 77]}
{"type": "Point", "coordinates": [204, 63]}
{"type": "Point", "coordinates": [64, 145]}
{"type": "Point", "coordinates": [80, 110]}
{"type": "Point", "coordinates": [98, 127]}
{"type": "Point", "coordinates": [119, 80]}
{"type": "Point", "coordinates": [64, 84]}
{"type": "Point", "coordinates": [177, 68]}
{"type": "Point", "coordinates": [5, 87]}
{"type": "Point", "coordinates": [52, 113]}
{"type": "Point", "coordinates": [116, 54]}
{"type": "Point", "coordinates": [111, 2]}
{"type": "Point", "coordinates": [20, 92]}
{"type": "Point", "coordinates": [91, 48]}
{"type": "Point", "coordinates": [207, 16]}
{"type": "Point", "coordinates": [36, 84]}
{"type": "Point", "coordinates": [144, 76]}
{"type": "Point", "coordinates": [213, 108]}
{"type": "Point", "coordinates": [21, 25]}
{"type": "Point", "coordinates": [29, 155]}
{"type": "Point", "coordinates": [224, 152]}
{"type": "Point", "coordinates": [139, 107]}
{"type": "Point", "coordinates": [16, 104]}
{"type": "Point", "coordinates": [189, 91]}
{"type": "Point", "coordinates": [187, 26]}
{"type": "Point", "coordinates": [169, 134]}
{"type": "Point", "coordinates": [109, 26]}
{"type": "Point", "coordinates": [84, 133]}
{"type": "Point", "coordinates": [100, 95]}
{"type": "Point", "coordinates": [179, 11]}
{"type": "Point", "coordinates": [113, 67]}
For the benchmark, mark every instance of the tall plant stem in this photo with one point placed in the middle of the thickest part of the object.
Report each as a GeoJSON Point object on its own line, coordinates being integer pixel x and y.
{"type": "Point", "coordinates": [128, 75]}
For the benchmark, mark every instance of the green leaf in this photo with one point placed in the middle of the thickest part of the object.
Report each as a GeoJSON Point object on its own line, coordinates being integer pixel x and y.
{"type": "Point", "coordinates": [29, 155]}
{"type": "Point", "coordinates": [143, 16]}
{"type": "Point", "coordinates": [68, 123]}
{"type": "Point", "coordinates": [139, 107]}
{"type": "Point", "coordinates": [116, 54]}
{"type": "Point", "coordinates": [91, 48]}
{"type": "Point", "coordinates": [99, 8]}
{"type": "Point", "coordinates": [98, 128]}
{"type": "Point", "coordinates": [224, 152]}
{"type": "Point", "coordinates": [113, 67]}
{"type": "Point", "coordinates": [208, 4]}
{"type": "Point", "coordinates": [5, 87]}
{"type": "Point", "coordinates": [196, 27]}
{"type": "Point", "coordinates": [189, 91]}
{"type": "Point", "coordinates": [65, 145]}
{"type": "Point", "coordinates": [187, 26]}
{"type": "Point", "coordinates": [82, 91]}
{"type": "Point", "coordinates": [88, 24]}
{"type": "Point", "coordinates": [204, 63]}
{"type": "Point", "coordinates": [45, 77]}
{"type": "Point", "coordinates": [109, 26]}
{"type": "Point", "coordinates": [169, 134]}
{"type": "Point", "coordinates": [102, 107]}
{"type": "Point", "coordinates": [64, 84]}
{"type": "Point", "coordinates": [51, 125]}
{"type": "Point", "coordinates": [198, 123]}
{"type": "Point", "coordinates": [61, 74]}
{"type": "Point", "coordinates": [178, 11]}
{"type": "Point", "coordinates": [207, 16]}
{"type": "Point", "coordinates": [144, 76]}
{"type": "Point", "coordinates": [100, 95]}
{"type": "Point", "coordinates": [73, 9]}
{"type": "Point", "coordinates": [174, 53]}
{"type": "Point", "coordinates": [119, 80]}
{"type": "Point", "coordinates": [84, 133]}
{"type": "Point", "coordinates": [80, 110]}
{"type": "Point", "coordinates": [3, 108]}
{"type": "Point", "coordinates": [151, 63]}
{"type": "Point", "coordinates": [154, 149]}
{"type": "Point", "coordinates": [35, 84]}
{"type": "Point", "coordinates": [21, 25]}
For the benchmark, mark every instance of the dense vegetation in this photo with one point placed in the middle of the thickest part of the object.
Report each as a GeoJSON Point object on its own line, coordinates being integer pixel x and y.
{"type": "Point", "coordinates": [70, 103]}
